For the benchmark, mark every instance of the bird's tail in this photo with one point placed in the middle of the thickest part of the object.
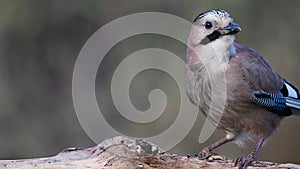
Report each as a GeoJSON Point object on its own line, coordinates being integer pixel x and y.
{"type": "Point", "coordinates": [294, 104]}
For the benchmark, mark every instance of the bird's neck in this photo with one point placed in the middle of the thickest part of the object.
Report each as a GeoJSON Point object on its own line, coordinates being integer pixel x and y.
{"type": "Point", "coordinates": [212, 55]}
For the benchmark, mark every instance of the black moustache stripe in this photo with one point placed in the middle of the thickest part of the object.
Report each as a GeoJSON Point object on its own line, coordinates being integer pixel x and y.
{"type": "Point", "coordinates": [211, 37]}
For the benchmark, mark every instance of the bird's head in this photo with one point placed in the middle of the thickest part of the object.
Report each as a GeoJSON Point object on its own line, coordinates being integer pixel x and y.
{"type": "Point", "coordinates": [213, 31]}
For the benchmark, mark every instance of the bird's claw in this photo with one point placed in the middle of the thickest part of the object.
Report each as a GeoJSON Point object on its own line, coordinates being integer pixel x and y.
{"type": "Point", "coordinates": [205, 153]}
{"type": "Point", "coordinates": [192, 156]}
{"type": "Point", "coordinates": [245, 161]}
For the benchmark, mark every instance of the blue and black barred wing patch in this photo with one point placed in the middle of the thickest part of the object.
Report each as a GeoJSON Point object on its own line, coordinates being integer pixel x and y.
{"type": "Point", "coordinates": [275, 103]}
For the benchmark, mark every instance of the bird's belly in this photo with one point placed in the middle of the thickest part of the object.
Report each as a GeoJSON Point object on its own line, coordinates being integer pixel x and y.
{"type": "Point", "coordinates": [237, 113]}
{"type": "Point", "coordinates": [248, 118]}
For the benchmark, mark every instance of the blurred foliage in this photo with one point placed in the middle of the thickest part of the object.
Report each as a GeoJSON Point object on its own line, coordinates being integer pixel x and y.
{"type": "Point", "coordinates": [40, 41]}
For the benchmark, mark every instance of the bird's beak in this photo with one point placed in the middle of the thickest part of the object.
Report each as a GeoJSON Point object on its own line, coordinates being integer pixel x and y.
{"type": "Point", "coordinates": [231, 29]}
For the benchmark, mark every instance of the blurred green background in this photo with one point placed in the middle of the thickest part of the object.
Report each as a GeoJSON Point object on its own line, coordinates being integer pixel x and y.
{"type": "Point", "coordinates": [39, 44]}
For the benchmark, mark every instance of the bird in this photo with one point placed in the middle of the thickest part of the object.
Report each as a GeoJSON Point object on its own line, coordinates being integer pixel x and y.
{"type": "Point", "coordinates": [257, 98]}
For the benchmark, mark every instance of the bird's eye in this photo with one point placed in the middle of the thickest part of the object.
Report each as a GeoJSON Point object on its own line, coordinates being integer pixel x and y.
{"type": "Point", "coordinates": [208, 25]}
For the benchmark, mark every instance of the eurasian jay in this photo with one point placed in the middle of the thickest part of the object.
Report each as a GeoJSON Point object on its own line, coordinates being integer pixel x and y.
{"type": "Point", "coordinates": [257, 98]}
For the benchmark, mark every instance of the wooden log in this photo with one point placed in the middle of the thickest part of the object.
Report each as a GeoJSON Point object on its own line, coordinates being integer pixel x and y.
{"type": "Point", "coordinates": [122, 152]}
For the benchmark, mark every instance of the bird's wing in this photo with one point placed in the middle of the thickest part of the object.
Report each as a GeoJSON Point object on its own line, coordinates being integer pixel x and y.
{"type": "Point", "coordinates": [268, 89]}
{"type": "Point", "coordinates": [291, 94]}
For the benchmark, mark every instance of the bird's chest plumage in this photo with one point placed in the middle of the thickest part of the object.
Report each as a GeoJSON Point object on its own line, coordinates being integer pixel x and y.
{"type": "Point", "coordinates": [239, 114]}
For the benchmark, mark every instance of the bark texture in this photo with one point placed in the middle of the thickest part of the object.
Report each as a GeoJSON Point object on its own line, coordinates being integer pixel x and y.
{"type": "Point", "coordinates": [122, 152]}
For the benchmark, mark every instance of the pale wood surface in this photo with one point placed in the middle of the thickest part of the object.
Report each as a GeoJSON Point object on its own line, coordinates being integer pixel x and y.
{"type": "Point", "coordinates": [122, 152]}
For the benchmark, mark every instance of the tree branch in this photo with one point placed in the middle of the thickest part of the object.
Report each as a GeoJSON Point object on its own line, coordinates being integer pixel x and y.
{"type": "Point", "coordinates": [122, 152]}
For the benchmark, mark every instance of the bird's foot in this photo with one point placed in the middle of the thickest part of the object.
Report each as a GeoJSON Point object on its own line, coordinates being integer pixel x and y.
{"type": "Point", "coordinates": [192, 156]}
{"type": "Point", "coordinates": [245, 161]}
{"type": "Point", "coordinates": [205, 153]}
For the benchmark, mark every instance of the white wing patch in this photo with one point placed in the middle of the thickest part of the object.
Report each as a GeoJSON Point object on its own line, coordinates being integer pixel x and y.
{"type": "Point", "coordinates": [291, 91]}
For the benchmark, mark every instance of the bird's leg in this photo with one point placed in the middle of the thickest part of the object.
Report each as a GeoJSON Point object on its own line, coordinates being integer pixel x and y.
{"type": "Point", "coordinates": [246, 161]}
{"type": "Point", "coordinates": [206, 151]}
